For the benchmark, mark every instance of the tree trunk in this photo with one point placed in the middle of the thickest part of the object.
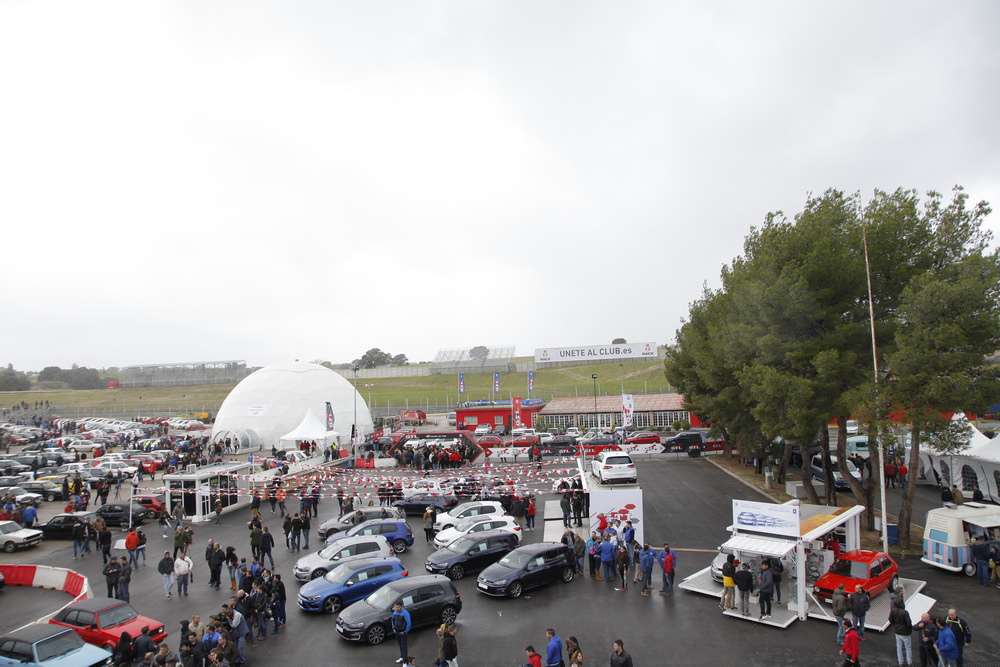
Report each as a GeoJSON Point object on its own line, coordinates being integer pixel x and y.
{"type": "Point", "coordinates": [807, 483]}
{"type": "Point", "coordinates": [906, 505]}
{"type": "Point", "coordinates": [830, 486]}
{"type": "Point", "coordinates": [727, 450]}
{"type": "Point", "coordinates": [786, 457]}
{"type": "Point", "coordinates": [863, 491]}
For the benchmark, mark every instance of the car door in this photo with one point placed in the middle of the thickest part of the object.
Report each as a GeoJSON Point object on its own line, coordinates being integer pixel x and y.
{"type": "Point", "coordinates": [85, 625]}
{"type": "Point", "coordinates": [429, 606]}
{"type": "Point", "coordinates": [366, 581]}
{"type": "Point", "coordinates": [885, 576]}
{"type": "Point", "coordinates": [477, 556]}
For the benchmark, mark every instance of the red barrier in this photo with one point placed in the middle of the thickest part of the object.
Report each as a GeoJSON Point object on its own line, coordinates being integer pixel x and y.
{"type": "Point", "coordinates": [75, 583]}
{"type": "Point", "coordinates": [18, 575]}
{"type": "Point", "coordinates": [364, 463]}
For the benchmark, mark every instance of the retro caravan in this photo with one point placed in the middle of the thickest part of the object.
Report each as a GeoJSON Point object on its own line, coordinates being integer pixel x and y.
{"type": "Point", "coordinates": [950, 530]}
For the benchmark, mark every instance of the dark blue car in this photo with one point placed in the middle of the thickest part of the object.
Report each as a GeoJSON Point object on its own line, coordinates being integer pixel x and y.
{"type": "Point", "coordinates": [396, 532]}
{"type": "Point", "coordinates": [349, 583]}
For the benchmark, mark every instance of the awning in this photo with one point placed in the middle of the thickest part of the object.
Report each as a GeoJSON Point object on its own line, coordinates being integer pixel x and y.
{"type": "Point", "coordinates": [759, 545]}
{"type": "Point", "coordinates": [991, 521]}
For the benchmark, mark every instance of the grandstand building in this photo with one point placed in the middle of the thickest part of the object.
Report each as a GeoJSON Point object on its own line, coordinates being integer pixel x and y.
{"type": "Point", "coordinates": [177, 375]}
{"type": "Point", "coordinates": [493, 359]}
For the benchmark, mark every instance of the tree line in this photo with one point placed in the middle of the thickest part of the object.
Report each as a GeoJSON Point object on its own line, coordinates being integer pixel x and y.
{"type": "Point", "coordinates": [791, 342]}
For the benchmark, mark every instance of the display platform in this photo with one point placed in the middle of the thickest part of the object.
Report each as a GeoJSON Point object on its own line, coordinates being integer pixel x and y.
{"type": "Point", "coordinates": [877, 617]}
{"type": "Point", "coordinates": [702, 582]}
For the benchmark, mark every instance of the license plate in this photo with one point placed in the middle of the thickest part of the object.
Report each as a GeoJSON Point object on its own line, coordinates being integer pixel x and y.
{"type": "Point", "coordinates": [482, 586]}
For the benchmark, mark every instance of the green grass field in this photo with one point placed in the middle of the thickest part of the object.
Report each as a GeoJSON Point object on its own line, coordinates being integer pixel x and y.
{"type": "Point", "coordinates": [436, 390]}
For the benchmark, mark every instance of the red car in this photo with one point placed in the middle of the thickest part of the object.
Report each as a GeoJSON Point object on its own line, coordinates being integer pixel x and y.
{"type": "Point", "coordinates": [873, 570]}
{"type": "Point", "coordinates": [490, 441]}
{"type": "Point", "coordinates": [101, 622]}
{"type": "Point", "coordinates": [523, 441]}
{"type": "Point", "coordinates": [152, 503]}
{"type": "Point", "coordinates": [642, 438]}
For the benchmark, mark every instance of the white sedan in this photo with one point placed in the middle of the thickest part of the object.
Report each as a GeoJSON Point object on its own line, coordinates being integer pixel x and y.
{"type": "Point", "coordinates": [13, 537]}
{"type": "Point", "coordinates": [477, 524]}
{"type": "Point", "coordinates": [422, 485]}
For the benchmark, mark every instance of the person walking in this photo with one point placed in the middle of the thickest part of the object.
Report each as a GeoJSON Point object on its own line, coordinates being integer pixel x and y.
{"type": "Point", "coordinates": [859, 603]}
{"type": "Point", "coordinates": [851, 649]}
{"type": "Point", "coordinates": [266, 546]}
{"type": "Point", "coordinates": [902, 628]}
{"type": "Point", "coordinates": [962, 632]}
{"type": "Point", "coordinates": [255, 532]}
{"type": "Point", "coordinates": [428, 525]}
{"type": "Point", "coordinates": [79, 539]}
{"type": "Point", "coordinates": [166, 569]}
{"type": "Point", "coordinates": [619, 656]}
{"type": "Point", "coordinates": [131, 545]}
{"type": "Point", "coordinates": [124, 579]}
{"type": "Point", "coordinates": [401, 628]}
{"type": "Point", "coordinates": [111, 572]}
{"type": "Point", "coordinates": [766, 587]}
{"type": "Point", "coordinates": [839, 602]}
{"type": "Point", "coordinates": [553, 649]}
{"type": "Point", "coordinates": [449, 646]}
{"type": "Point", "coordinates": [182, 571]}
{"type": "Point", "coordinates": [104, 541]}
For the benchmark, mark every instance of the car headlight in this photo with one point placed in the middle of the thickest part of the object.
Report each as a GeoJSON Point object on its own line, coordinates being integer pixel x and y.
{"type": "Point", "coordinates": [354, 626]}
{"type": "Point", "coordinates": [815, 589]}
{"type": "Point", "coordinates": [311, 598]}
{"type": "Point", "coordinates": [500, 582]}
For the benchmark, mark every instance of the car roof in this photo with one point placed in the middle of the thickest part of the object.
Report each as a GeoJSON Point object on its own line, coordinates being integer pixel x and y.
{"type": "Point", "coordinates": [861, 555]}
{"type": "Point", "coordinates": [35, 632]}
{"type": "Point", "coordinates": [538, 546]}
{"type": "Point", "coordinates": [420, 580]}
{"type": "Point", "coordinates": [373, 522]}
{"type": "Point", "coordinates": [362, 563]}
{"type": "Point", "coordinates": [95, 604]}
{"type": "Point", "coordinates": [493, 532]}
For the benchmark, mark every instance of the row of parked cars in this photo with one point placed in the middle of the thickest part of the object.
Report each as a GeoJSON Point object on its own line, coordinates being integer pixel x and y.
{"type": "Point", "coordinates": [359, 574]}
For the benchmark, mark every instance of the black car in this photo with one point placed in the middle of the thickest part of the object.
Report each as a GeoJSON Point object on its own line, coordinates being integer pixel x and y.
{"type": "Point", "coordinates": [44, 488]}
{"type": "Point", "coordinates": [603, 440]}
{"type": "Point", "coordinates": [60, 527]}
{"type": "Point", "coordinates": [117, 514]}
{"type": "Point", "coordinates": [430, 599]}
{"type": "Point", "coordinates": [560, 445]}
{"type": "Point", "coordinates": [348, 521]}
{"type": "Point", "coordinates": [12, 480]}
{"type": "Point", "coordinates": [12, 467]}
{"type": "Point", "coordinates": [471, 553]}
{"type": "Point", "coordinates": [688, 440]}
{"type": "Point", "coordinates": [418, 503]}
{"type": "Point", "coordinates": [527, 567]}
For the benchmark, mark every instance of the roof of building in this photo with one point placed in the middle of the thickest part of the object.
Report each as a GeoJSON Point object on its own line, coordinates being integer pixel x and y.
{"type": "Point", "coordinates": [585, 405]}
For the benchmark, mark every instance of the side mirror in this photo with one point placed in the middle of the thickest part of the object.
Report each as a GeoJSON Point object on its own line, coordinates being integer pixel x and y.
{"type": "Point", "coordinates": [348, 583]}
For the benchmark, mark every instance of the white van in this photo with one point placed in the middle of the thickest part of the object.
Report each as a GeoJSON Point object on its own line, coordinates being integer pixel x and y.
{"type": "Point", "coordinates": [949, 531]}
{"type": "Point", "coordinates": [852, 427]}
{"type": "Point", "coordinates": [858, 444]}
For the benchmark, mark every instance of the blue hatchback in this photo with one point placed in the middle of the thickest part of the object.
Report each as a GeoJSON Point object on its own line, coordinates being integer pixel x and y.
{"type": "Point", "coordinates": [396, 532]}
{"type": "Point", "coordinates": [348, 583]}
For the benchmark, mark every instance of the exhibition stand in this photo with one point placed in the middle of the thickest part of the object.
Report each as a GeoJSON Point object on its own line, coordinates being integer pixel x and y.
{"type": "Point", "coordinates": [200, 487]}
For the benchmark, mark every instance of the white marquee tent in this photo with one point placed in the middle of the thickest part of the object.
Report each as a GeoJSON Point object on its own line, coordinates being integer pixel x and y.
{"type": "Point", "coordinates": [310, 429]}
{"type": "Point", "coordinates": [979, 464]}
{"type": "Point", "coordinates": [274, 401]}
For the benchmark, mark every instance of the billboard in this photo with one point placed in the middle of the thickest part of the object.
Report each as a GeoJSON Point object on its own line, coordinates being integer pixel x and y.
{"type": "Point", "coordinates": [769, 518]}
{"type": "Point", "coordinates": [596, 352]}
{"type": "Point", "coordinates": [621, 504]}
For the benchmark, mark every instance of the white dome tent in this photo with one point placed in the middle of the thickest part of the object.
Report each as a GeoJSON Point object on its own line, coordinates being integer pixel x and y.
{"type": "Point", "coordinates": [274, 401]}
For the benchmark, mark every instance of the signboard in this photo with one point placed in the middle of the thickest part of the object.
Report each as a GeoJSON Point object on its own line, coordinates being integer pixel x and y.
{"type": "Point", "coordinates": [769, 518]}
{"type": "Point", "coordinates": [531, 381]}
{"type": "Point", "coordinates": [496, 383]}
{"type": "Point", "coordinates": [256, 410]}
{"type": "Point", "coordinates": [329, 416]}
{"type": "Point", "coordinates": [461, 383]}
{"type": "Point", "coordinates": [596, 352]}
{"type": "Point", "coordinates": [516, 407]}
{"type": "Point", "coordinates": [628, 405]}
{"type": "Point", "coordinates": [621, 504]}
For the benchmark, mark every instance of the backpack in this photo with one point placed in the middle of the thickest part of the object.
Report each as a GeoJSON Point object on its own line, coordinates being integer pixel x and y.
{"type": "Point", "coordinates": [142, 537]}
{"type": "Point", "coordinates": [777, 566]}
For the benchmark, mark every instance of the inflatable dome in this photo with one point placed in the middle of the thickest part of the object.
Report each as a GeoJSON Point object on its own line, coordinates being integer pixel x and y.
{"type": "Point", "coordinates": [281, 399]}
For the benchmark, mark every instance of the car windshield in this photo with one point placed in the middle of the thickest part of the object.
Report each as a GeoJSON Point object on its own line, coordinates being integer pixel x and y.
{"type": "Point", "coordinates": [9, 527]}
{"type": "Point", "coordinates": [339, 575]}
{"type": "Point", "coordinates": [61, 644]}
{"type": "Point", "coordinates": [516, 561]}
{"type": "Point", "coordinates": [462, 544]}
{"type": "Point", "coordinates": [850, 568]}
{"type": "Point", "coordinates": [382, 598]}
{"type": "Point", "coordinates": [116, 616]}
{"type": "Point", "coordinates": [465, 524]}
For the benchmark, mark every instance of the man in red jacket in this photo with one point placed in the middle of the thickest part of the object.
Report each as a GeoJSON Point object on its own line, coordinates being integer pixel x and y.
{"type": "Point", "coordinates": [852, 645]}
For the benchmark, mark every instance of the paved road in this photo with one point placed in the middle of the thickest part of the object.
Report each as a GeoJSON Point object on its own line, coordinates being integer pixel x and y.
{"type": "Point", "coordinates": [687, 503]}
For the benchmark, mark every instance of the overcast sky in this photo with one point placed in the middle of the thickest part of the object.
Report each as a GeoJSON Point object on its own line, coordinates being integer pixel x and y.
{"type": "Point", "coordinates": [269, 181]}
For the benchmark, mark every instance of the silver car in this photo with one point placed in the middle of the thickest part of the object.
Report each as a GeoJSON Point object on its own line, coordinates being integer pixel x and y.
{"type": "Point", "coordinates": [351, 519]}
{"type": "Point", "coordinates": [318, 564]}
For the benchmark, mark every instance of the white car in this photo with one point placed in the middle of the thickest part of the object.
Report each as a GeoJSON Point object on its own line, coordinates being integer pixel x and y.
{"type": "Point", "coordinates": [610, 465]}
{"type": "Point", "coordinates": [83, 446]}
{"type": "Point", "coordinates": [544, 438]}
{"type": "Point", "coordinates": [116, 468]}
{"type": "Point", "coordinates": [421, 485]}
{"type": "Point", "coordinates": [476, 508]}
{"type": "Point", "coordinates": [21, 496]}
{"type": "Point", "coordinates": [573, 431]}
{"type": "Point", "coordinates": [13, 537]}
{"type": "Point", "coordinates": [481, 430]}
{"type": "Point", "coordinates": [477, 524]}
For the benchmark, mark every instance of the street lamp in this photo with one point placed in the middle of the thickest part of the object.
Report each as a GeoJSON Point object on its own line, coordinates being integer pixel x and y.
{"type": "Point", "coordinates": [597, 420]}
{"type": "Point", "coordinates": [354, 426]}
{"type": "Point", "coordinates": [446, 394]}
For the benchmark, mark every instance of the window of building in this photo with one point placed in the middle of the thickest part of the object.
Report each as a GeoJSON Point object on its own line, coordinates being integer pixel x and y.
{"type": "Point", "coordinates": [562, 421]}
{"type": "Point", "coordinates": [669, 417]}
{"type": "Point", "coordinates": [969, 478]}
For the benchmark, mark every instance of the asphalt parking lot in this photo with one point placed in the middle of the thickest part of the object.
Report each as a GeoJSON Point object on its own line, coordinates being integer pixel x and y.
{"type": "Point", "coordinates": [687, 503]}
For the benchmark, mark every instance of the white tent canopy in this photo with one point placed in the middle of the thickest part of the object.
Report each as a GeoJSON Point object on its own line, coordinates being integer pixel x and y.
{"type": "Point", "coordinates": [311, 428]}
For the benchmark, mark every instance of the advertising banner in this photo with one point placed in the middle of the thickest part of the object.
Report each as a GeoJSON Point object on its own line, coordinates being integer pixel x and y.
{"type": "Point", "coordinates": [329, 416]}
{"type": "Point", "coordinates": [496, 383]}
{"type": "Point", "coordinates": [621, 504]}
{"type": "Point", "coordinates": [461, 383]}
{"type": "Point", "coordinates": [628, 405]}
{"type": "Point", "coordinates": [531, 381]}
{"type": "Point", "coordinates": [516, 406]}
{"type": "Point", "coordinates": [596, 352]}
{"type": "Point", "coordinates": [769, 518]}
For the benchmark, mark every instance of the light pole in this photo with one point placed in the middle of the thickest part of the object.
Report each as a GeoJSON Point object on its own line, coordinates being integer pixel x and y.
{"type": "Point", "coordinates": [354, 426]}
{"type": "Point", "coordinates": [446, 394]}
{"type": "Point", "coordinates": [621, 374]}
{"type": "Point", "coordinates": [597, 420]}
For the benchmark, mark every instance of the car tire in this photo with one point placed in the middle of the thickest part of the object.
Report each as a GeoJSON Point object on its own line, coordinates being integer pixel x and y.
{"type": "Point", "coordinates": [567, 575]}
{"type": "Point", "coordinates": [449, 614]}
{"type": "Point", "coordinates": [515, 589]}
{"type": "Point", "coordinates": [375, 635]}
{"type": "Point", "coordinates": [894, 584]}
{"type": "Point", "coordinates": [150, 514]}
{"type": "Point", "coordinates": [969, 569]}
{"type": "Point", "coordinates": [399, 546]}
{"type": "Point", "coordinates": [109, 648]}
{"type": "Point", "coordinates": [316, 574]}
{"type": "Point", "coordinates": [9, 547]}
{"type": "Point", "coordinates": [333, 604]}
{"type": "Point", "coordinates": [456, 572]}
{"type": "Point", "coordinates": [51, 498]}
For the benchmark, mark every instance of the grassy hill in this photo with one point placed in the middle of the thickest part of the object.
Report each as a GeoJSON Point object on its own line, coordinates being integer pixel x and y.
{"type": "Point", "coordinates": [637, 376]}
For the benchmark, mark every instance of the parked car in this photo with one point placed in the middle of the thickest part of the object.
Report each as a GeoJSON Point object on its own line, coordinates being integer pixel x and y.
{"type": "Point", "coordinates": [153, 503]}
{"type": "Point", "coordinates": [60, 527]}
{"type": "Point", "coordinates": [426, 485]}
{"type": "Point", "coordinates": [46, 489]}
{"type": "Point", "coordinates": [22, 496]}
{"type": "Point", "coordinates": [838, 480]}
{"type": "Point", "coordinates": [874, 571]}
{"type": "Point", "coordinates": [117, 514]}
{"type": "Point", "coordinates": [482, 429]}
{"type": "Point", "coordinates": [499, 430]}
{"type": "Point", "coordinates": [611, 466]}
{"type": "Point", "coordinates": [395, 531]}
{"type": "Point", "coordinates": [490, 441]}
{"type": "Point", "coordinates": [349, 582]}
{"type": "Point", "coordinates": [642, 438]}
{"type": "Point", "coordinates": [14, 537]}
{"type": "Point", "coordinates": [101, 622]}
{"type": "Point", "coordinates": [471, 553]}
{"type": "Point", "coordinates": [348, 521]}
{"type": "Point", "coordinates": [596, 443]}
{"type": "Point", "coordinates": [477, 524]}
{"type": "Point", "coordinates": [313, 566]}
{"type": "Point", "coordinates": [475, 508]}
{"type": "Point", "coordinates": [528, 567]}
{"type": "Point", "coordinates": [45, 645]}
{"type": "Point", "coordinates": [451, 417]}
{"type": "Point", "coordinates": [685, 441]}
{"type": "Point", "coordinates": [417, 503]}
{"type": "Point", "coordinates": [430, 599]}
{"type": "Point", "coordinates": [560, 445]}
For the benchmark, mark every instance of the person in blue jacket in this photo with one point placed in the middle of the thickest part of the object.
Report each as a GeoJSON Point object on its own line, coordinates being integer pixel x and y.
{"type": "Point", "coordinates": [947, 646]}
{"type": "Point", "coordinates": [553, 654]}
{"type": "Point", "coordinates": [401, 628]}
{"type": "Point", "coordinates": [607, 551]}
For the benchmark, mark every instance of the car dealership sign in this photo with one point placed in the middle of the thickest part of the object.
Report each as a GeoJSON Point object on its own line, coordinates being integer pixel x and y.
{"type": "Point", "coordinates": [771, 518]}
{"type": "Point", "coordinates": [596, 352]}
